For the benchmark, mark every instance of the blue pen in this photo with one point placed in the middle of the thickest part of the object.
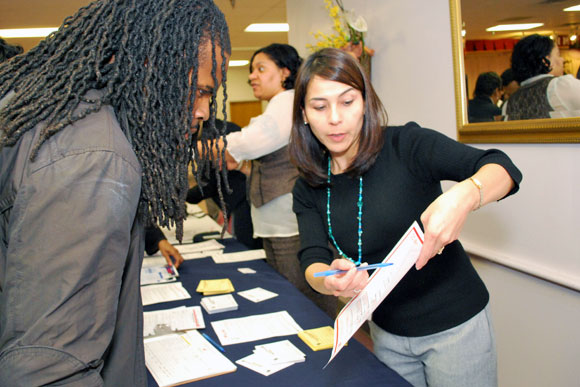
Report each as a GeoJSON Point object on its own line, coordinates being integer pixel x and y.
{"type": "Point", "coordinates": [368, 267]}
{"type": "Point", "coordinates": [213, 342]}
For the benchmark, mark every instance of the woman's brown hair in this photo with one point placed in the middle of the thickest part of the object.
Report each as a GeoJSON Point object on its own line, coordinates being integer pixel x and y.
{"type": "Point", "coordinates": [307, 153]}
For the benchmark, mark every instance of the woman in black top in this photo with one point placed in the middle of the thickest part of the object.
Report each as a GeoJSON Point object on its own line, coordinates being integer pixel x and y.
{"type": "Point", "coordinates": [361, 186]}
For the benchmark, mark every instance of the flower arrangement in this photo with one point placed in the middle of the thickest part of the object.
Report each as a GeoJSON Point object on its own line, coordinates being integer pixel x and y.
{"type": "Point", "coordinates": [349, 30]}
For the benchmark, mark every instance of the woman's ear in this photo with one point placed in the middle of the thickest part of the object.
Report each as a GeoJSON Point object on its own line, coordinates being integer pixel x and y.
{"type": "Point", "coordinates": [285, 74]}
{"type": "Point", "coordinates": [304, 117]}
{"type": "Point", "coordinates": [547, 64]}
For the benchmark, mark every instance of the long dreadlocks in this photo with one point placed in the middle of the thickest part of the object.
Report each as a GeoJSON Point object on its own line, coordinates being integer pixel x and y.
{"type": "Point", "coordinates": [144, 55]}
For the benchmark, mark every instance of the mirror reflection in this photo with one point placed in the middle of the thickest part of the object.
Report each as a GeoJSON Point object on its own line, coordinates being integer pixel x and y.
{"type": "Point", "coordinates": [544, 88]}
{"type": "Point", "coordinates": [544, 61]}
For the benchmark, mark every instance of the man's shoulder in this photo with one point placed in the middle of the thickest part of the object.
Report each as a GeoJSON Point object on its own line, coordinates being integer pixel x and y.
{"type": "Point", "coordinates": [97, 132]}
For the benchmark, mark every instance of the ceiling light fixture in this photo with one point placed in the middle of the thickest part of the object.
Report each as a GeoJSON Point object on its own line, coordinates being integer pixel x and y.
{"type": "Point", "coordinates": [514, 27]}
{"type": "Point", "coordinates": [268, 27]}
{"type": "Point", "coordinates": [574, 8]}
{"type": "Point", "coordinates": [238, 63]}
{"type": "Point", "coordinates": [27, 32]}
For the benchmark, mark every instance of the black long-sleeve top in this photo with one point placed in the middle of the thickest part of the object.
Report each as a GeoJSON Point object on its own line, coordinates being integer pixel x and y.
{"type": "Point", "coordinates": [404, 180]}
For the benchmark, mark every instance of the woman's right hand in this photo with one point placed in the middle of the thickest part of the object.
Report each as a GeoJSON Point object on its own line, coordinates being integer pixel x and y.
{"type": "Point", "coordinates": [347, 284]}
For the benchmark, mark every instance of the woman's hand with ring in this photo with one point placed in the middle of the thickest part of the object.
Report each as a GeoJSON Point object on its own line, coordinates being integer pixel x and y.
{"type": "Point", "coordinates": [349, 283]}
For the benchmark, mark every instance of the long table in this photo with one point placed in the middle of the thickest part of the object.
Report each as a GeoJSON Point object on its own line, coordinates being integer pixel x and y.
{"type": "Point", "coordinates": [354, 365]}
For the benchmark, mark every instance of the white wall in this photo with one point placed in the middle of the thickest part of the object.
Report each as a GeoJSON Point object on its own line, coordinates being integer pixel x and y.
{"type": "Point", "coordinates": [536, 326]}
{"type": "Point", "coordinates": [237, 88]}
{"type": "Point", "coordinates": [536, 322]}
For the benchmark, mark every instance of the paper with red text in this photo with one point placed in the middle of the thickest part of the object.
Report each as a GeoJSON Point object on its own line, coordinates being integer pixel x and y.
{"type": "Point", "coordinates": [403, 256]}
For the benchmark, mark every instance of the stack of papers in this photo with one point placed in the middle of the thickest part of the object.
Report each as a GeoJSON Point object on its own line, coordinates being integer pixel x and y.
{"type": "Point", "coordinates": [157, 274]}
{"type": "Point", "coordinates": [200, 249]}
{"type": "Point", "coordinates": [218, 304]}
{"type": "Point", "coordinates": [270, 358]}
{"type": "Point", "coordinates": [177, 359]}
{"type": "Point", "coordinates": [154, 294]}
{"type": "Point", "coordinates": [161, 322]}
{"type": "Point", "coordinates": [190, 251]}
{"type": "Point", "coordinates": [318, 338]}
{"type": "Point", "coordinates": [217, 286]}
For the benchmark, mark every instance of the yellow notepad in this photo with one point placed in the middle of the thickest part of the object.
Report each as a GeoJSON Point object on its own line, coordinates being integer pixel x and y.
{"type": "Point", "coordinates": [216, 286]}
{"type": "Point", "coordinates": [318, 338]}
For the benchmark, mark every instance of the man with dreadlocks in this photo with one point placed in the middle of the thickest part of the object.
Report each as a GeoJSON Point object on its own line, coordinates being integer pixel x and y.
{"type": "Point", "coordinates": [97, 127]}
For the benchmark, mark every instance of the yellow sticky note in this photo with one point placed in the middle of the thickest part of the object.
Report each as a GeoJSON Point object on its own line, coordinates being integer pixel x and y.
{"type": "Point", "coordinates": [318, 338]}
{"type": "Point", "coordinates": [216, 286]}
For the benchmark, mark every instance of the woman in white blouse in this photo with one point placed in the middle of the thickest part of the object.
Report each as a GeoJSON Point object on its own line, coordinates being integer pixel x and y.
{"type": "Point", "coordinates": [544, 89]}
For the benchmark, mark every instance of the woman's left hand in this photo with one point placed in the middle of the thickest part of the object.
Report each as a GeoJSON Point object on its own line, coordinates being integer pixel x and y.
{"type": "Point", "coordinates": [444, 219]}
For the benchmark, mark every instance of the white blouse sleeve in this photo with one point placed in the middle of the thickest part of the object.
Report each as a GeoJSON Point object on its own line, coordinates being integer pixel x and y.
{"type": "Point", "coordinates": [564, 94]}
{"type": "Point", "coordinates": [265, 133]}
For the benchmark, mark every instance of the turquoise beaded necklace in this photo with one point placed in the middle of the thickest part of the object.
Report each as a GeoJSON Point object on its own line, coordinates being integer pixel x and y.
{"type": "Point", "coordinates": [359, 205]}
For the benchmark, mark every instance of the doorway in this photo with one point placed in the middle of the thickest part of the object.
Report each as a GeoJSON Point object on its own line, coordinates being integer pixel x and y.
{"type": "Point", "coordinates": [241, 112]}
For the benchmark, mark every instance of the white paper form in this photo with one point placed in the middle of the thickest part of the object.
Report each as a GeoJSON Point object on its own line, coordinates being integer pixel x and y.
{"type": "Point", "coordinates": [152, 274]}
{"type": "Point", "coordinates": [154, 294]}
{"type": "Point", "coordinates": [200, 249]}
{"type": "Point", "coordinates": [241, 256]}
{"type": "Point", "coordinates": [257, 327]}
{"type": "Point", "coordinates": [175, 359]}
{"type": "Point", "coordinates": [209, 245]}
{"type": "Point", "coordinates": [191, 251]}
{"type": "Point", "coordinates": [154, 260]}
{"type": "Point", "coordinates": [403, 256]}
{"type": "Point", "coordinates": [203, 254]}
{"type": "Point", "coordinates": [176, 319]}
{"type": "Point", "coordinates": [256, 364]}
{"type": "Point", "coordinates": [280, 352]}
{"type": "Point", "coordinates": [257, 294]}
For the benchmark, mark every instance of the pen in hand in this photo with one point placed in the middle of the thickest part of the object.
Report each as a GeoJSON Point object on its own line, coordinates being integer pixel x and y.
{"type": "Point", "coordinates": [368, 267]}
{"type": "Point", "coordinates": [212, 342]}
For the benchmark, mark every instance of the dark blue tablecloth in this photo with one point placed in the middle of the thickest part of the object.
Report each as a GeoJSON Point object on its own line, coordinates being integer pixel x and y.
{"type": "Point", "coordinates": [353, 366]}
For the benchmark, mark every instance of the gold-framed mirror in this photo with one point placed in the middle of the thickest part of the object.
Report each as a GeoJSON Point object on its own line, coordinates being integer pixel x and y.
{"type": "Point", "coordinates": [551, 130]}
